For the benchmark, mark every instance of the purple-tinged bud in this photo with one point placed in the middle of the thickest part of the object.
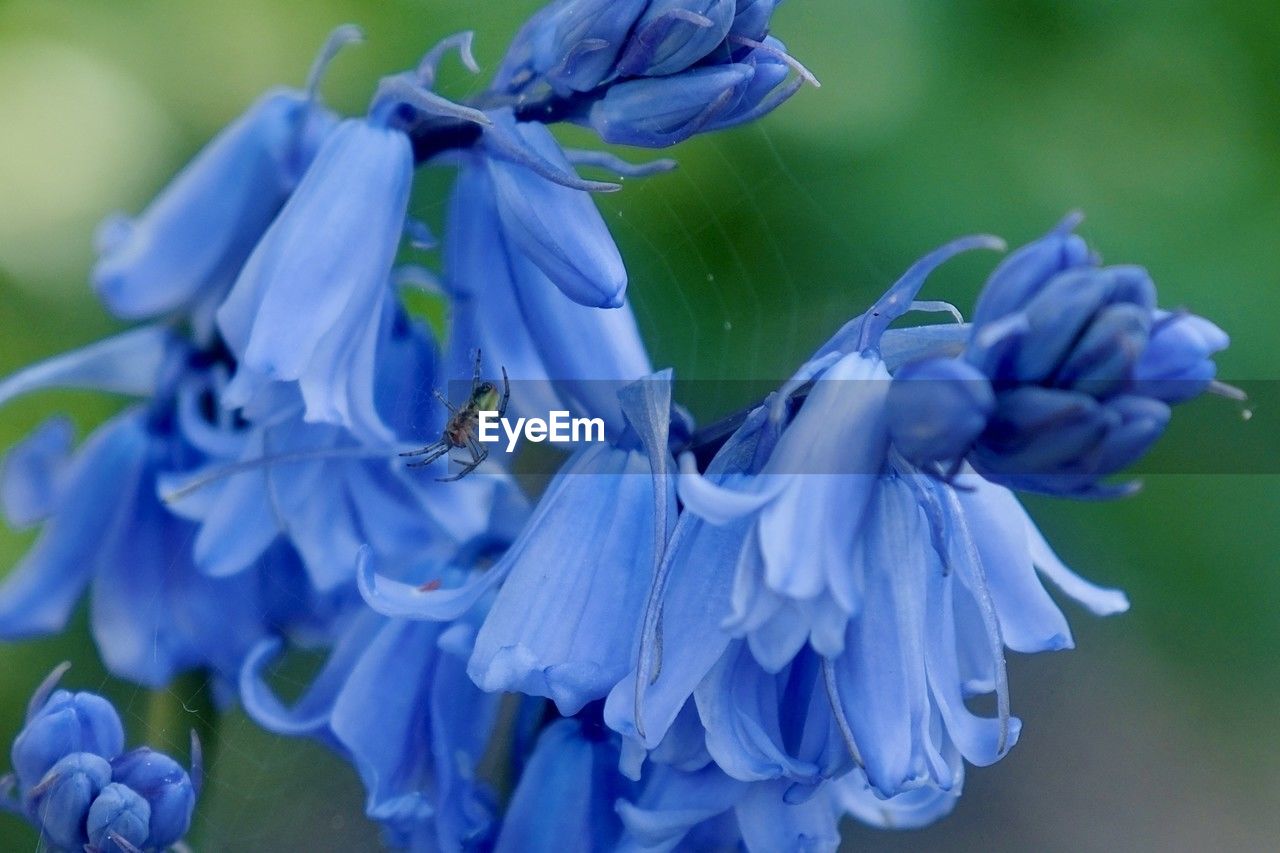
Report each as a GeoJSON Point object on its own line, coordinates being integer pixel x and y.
{"type": "Point", "coordinates": [581, 40]}
{"type": "Point", "coordinates": [119, 820]}
{"type": "Point", "coordinates": [1021, 275]}
{"type": "Point", "coordinates": [59, 804]}
{"type": "Point", "coordinates": [661, 111]}
{"type": "Point", "coordinates": [166, 787]}
{"type": "Point", "coordinates": [751, 19]}
{"type": "Point", "coordinates": [1064, 442]}
{"type": "Point", "coordinates": [937, 409]}
{"type": "Point", "coordinates": [1177, 363]}
{"type": "Point", "coordinates": [66, 723]}
{"type": "Point", "coordinates": [672, 35]}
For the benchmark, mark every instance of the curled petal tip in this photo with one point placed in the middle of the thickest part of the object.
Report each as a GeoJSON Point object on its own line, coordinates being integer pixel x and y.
{"type": "Point", "coordinates": [342, 36]}
{"type": "Point", "coordinates": [50, 683]}
{"type": "Point", "coordinates": [1069, 223]}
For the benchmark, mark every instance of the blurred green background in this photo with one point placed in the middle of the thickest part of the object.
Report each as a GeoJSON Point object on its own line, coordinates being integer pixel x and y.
{"type": "Point", "coordinates": [1161, 120]}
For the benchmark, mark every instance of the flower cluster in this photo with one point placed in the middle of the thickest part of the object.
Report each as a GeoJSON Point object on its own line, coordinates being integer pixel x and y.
{"type": "Point", "coordinates": [82, 791]}
{"type": "Point", "coordinates": [719, 636]}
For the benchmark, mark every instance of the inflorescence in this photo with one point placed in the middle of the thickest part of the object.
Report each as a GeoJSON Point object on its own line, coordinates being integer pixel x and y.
{"type": "Point", "coordinates": [711, 638]}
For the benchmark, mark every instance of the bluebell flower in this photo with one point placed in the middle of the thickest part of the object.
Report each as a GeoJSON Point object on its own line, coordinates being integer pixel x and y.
{"type": "Point", "coordinates": [395, 700]}
{"type": "Point", "coordinates": [854, 653]}
{"type": "Point", "coordinates": [183, 253]}
{"type": "Point", "coordinates": [556, 227]}
{"type": "Point", "coordinates": [1066, 378]}
{"type": "Point", "coordinates": [80, 789]}
{"type": "Point", "coordinates": [599, 526]}
{"type": "Point", "coordinates": [153, 612]}
{"type": "Point", "coordinates": [322, 491]}
{"type": "Point", "coordinates": [306, 306]}
{"type": "Point", "coordinates": [331, 249]}
{"type": "Point", "coordinates": [569, 356]}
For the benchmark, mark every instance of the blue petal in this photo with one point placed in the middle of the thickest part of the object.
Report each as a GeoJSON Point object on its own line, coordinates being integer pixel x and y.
{"type": "Point", "coordinates": [701, 560]}
{"type": "Point", "coordinates": [770, 823]}
{"type": "Point", "coordinates": [166, 787]}
{"type": "Point", "coordinates": [912, 809]}
{"type": "Point", "coordinates": [672, 803]}
{"type": "Point", "coordinates": [661, 111]}
{"type": "Point", "coordinates": [1029, 620]}
{"type": "Point", "coordinates": [34, 471]}
{"type": "Point", "coordinates": [131, 363]}
{"type": "Point", "coordinates": [192, 240]}
{"type": "Point", "coordinates": [37, 596]}
{"type": "Point", "coordinates": [1100, 600]}
{"type": "Point", "coordinates": [580, 41]}
{"type": "Point", "coordinates": [748, 733]}
{"type": "Point", "coordinates": [981, 740]}
{"type": "Point", "coordinates": [67, 723]}
{"type": "Point", "coordinates": [154, 615]}
{"type": "Point", "coordinates": [118, 817]}
{"type": "Point", "coordinates": [881, 677]}
{"type": "Point", "coordinates": [310, 714]}
{"type": "Point", "coordinates": [566, 794]}
{"type": "Point", "coordinates": [415, 752]}
{"type": "Point", "coordinates": [557, 228]}
{"type": "Point", "coordinates": [564, 623]}
{"type": "Point", "coordinates": [840, 435]}
{"type": "Point", "coordinates": [60, 803]}
{"type": "Point", "coordinates": [569, 356]}
{"type": "Point", "coordinates": [1020, 276]}
{"type": "Point", "coordinates": [331, 250]}
{"type": "Point", "coordinates": [669, 38]}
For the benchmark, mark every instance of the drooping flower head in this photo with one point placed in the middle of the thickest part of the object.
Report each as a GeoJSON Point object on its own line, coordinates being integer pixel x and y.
{"type": "Point", "coordinates": [1066, 377]}
{"type": "Point", "coordinates": [825, 606]}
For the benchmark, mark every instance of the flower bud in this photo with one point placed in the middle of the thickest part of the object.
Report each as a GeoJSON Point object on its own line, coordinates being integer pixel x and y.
{"type": "Point", "coordinates": [65, 724]}
{"type": "Point", "coordinates": [579, 42]}
{"type": "Point", "coordinates": [119, 814]}
{"type": "Point", "coordinates": [672, 35]}
{"type": "Point", "coordinates": [1177, 363]}
{"type": "Point", "coordinates": [661, 111]}
{"type": "Point", "coordinates": [937, 409]}
{"type": "Point", "coordinates": [59, 804]}
{"type": "Point", "coordinates": [166, 787]}
{"type": "Point", "coordinates": [751, 18]}
{"type": "Point", "coordinates": [1021, 275]}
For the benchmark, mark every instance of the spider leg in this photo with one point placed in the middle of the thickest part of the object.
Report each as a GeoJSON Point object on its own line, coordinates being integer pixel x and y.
{"type": "Point", "coordinates": [433, 452]}
{"type": "Point", "coordinates": [475, 373]}
{"type": "Point", "coordinates": [506, 394]}
{"type": "Point", "coordinates": [478, 455]}
{"type": "Point", "coordinates": [443, 399]}
{"type": "Point", "coordinates": [422, 451]}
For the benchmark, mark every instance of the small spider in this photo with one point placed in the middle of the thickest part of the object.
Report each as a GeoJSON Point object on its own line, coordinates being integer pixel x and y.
{"type": "Point", "coordinates": [463, 424]}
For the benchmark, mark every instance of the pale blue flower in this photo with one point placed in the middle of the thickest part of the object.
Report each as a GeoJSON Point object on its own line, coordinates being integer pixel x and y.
{"type": "Point", "coordinates": [185, 250]}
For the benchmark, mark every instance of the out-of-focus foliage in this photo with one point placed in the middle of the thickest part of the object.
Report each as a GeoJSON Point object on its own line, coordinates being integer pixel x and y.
{"type": "Point", "coordinates": [1161, 120]}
